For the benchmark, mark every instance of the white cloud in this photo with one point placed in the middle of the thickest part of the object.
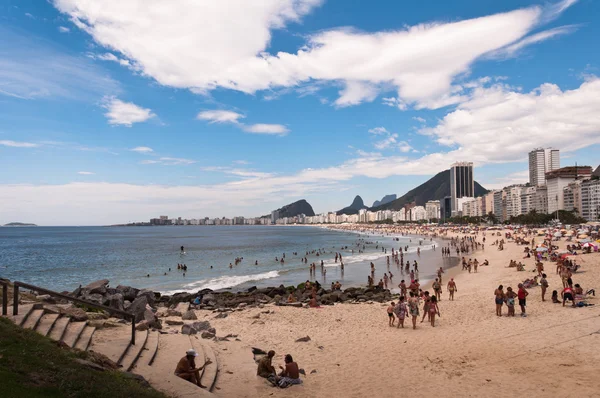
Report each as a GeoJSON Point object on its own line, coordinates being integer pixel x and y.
{"type": "Point", "coordinates": [142, 149]}
{"type": "Point", "coordinates": [390, 140]}
{"type": "Point", "coordinates": [63, 29]}
{"type": "Point", "coordinates": [168, 161]}
{"type": "Point", "coordinates": [238, 172]}
{"type": "Point", "coordinates": [31, 68]}
{"type": "Point", "coordinates": [419, 119]}
{"type": "Point", "coordinates": [209, 44]}
{"type": "Point", "coordinates": [220, 116]}
{"type": "Point", "coordinates": [85, 173]}
{"type": "Point", "coordinates": [395, 102]}
{"type": "Point", "coordinates": [242, 162]}
{"type": "Point", "coordinates": [18, 144]}
{"type": "Point", "coordinates": [28, 15]}
{"type": "Point", "coordinates": [499, 124]}
{"type": "Point", "coordinates": [125, 113]}
{"type": "Point", "coordinates": [262, 128]}
{"type": "Point", "coordinates": [519, 177]}
{"type": "Point", "coordinates": [223, 116]}
{"type": "Point", "coordinates": [514, 49]}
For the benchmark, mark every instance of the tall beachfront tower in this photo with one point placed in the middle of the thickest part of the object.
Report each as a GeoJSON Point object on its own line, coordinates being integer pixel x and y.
{"type": "Point", "coordinates": [542, 161]}
{"type": "Point", "coordinates": [462, 184]}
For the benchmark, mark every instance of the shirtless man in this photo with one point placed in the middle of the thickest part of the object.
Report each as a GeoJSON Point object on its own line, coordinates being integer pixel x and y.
{"type": "Point", "coordinates": [499, 299]}
{"type": "Point", "coordinates": [437, 289]}
{"type": "Point", "coordinates": [187, 370]}
{"type": "Point", "coordinates": [451, 288]}
{"type": "Point", "coordinates": [390, 312]}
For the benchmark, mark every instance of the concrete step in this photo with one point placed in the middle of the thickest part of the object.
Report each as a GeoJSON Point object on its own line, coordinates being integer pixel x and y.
{"type": "Point", "coordinates": [151, 350]}
{"type": "Point", "coordinates": [59, 329]}
{"type": "Point", "coordinates": [166, 381]}
{"type": "Point", "coordinates": [24, 311]}
{"type": "Point", "coordinates": [134, 352]}
{"type": "Point", "coordinates": [46, 323]}
{"type": "Point", "coordinates": [73, 332]}
{"type": "Point", "coordinates": [112, 342]}
{"type": "Point", "coordinates": [211, 372]}
{"type": "Point", "coordinates": [86, 338]}
{"type": "Point", "coordinates": [33, 319]}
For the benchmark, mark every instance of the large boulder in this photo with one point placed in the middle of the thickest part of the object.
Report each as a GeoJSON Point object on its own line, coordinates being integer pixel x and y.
{"type": "Point", "coordinates": [188, 329]}
{"type": "Point", "coordinates": [98, 286]}
{"type": "Point", "coordinates": [201, 325]}
{"type": "Point", "coordinates": [138, 308]}
{"type": "Point", "coordinates": [180, 298]}
{"type": "Point", "coordinates": [128, 292]}
{"type": "Point", "coordinates": [189, 316]}
{"type": "Point", "coordinates": [93, 297]}
{"type": "Point", "coordinates": [149, 294]}
{"type": "Point", "coordinates": [75, 313]}
{"type": "Point", "coordinates": [116, 301]}
{"type": "Point", "coordinates": [209, 299]}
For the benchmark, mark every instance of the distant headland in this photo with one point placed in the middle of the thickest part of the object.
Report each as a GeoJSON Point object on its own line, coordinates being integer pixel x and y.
{"type": "Point", "coordinates": [19, 224]}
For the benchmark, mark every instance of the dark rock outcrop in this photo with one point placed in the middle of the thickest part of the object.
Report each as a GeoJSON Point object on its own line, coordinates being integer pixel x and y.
{"type": "Point", "coordinates": [385, 200]}
{"type": "Point", "coordinates": [357, 204]}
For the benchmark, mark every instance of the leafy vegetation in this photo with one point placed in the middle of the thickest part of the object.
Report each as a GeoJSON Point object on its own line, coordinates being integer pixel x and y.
{"type": "Point", "coordinates": [34, 366]}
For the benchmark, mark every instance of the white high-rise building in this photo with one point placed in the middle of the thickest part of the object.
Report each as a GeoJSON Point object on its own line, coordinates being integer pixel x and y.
{"type": "Point", "coordinates": [541, 161]}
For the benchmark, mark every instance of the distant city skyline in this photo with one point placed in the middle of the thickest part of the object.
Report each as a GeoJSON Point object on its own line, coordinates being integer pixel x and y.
{"type": "Point", "coordinates": [238, 108]}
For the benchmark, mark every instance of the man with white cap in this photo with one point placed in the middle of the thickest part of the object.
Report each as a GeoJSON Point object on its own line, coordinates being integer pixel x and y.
{"type": "Point", "coordinates": [186, 368]}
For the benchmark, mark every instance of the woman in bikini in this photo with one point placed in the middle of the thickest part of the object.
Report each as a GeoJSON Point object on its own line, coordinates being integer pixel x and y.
{"type": "Point", "coordinates": [510, 301]}
{"type": "Point", "coordinates": [433, 310]}
{"type": "Point", "coordinates": [452, 288]}
{"type": "Point", "coordinates": [499, 293]}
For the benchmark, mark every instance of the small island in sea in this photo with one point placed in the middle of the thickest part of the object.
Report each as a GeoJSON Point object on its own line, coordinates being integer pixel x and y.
{"type": "Point", "coordinates": [19, 224]}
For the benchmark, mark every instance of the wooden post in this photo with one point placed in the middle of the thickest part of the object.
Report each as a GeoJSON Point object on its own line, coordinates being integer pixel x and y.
{"type": "Point", "coordinates": [4, 299]}
{"type": "Point", "coordinates": [16, 299]}
{"type": "Point", "coordinates": [133, 330]}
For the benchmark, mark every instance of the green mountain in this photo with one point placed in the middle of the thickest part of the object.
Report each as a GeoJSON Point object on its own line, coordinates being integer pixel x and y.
{"type": "Point", "coordinates": [436, 188]}
{"type": "Point", "coordinates": [296, 208]}
{"type": "Point", "coordinates": [19, 224]}
{"type": "Point", "coordinates": [356, 205]}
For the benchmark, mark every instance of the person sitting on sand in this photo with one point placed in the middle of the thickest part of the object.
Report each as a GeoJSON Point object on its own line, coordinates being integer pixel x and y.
{"type": "Point", "coordinates": [313, 303]}
{"type": "Point", "coordinates": [265, 368]}
{"type": "Point", "coordinates": [486, 262]}
{"type": "Point", "coordinates": [291, 298]}
{"type": "Point", "coordinates": [390, 312]}
{"type": "Point", "coordinates": [289, 375]}
{"type": "Point", "coordinates": [186, 368]}
{"type": "Point", "coordinates": [555, 297]}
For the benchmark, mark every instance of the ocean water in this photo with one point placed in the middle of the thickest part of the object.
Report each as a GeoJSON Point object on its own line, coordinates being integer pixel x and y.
{"type": "Point", "coordinates": [62, 258]}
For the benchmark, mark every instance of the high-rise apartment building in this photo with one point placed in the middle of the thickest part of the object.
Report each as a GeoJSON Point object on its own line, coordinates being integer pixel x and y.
{"type": "Point", "coordinates": [590, 200]}
{"type": "Point", "coordinates": [558, 179]}
{"type": "Point", "coordinates": [542, 161]}
{"type": "Point", "coordinates": [462, 184]}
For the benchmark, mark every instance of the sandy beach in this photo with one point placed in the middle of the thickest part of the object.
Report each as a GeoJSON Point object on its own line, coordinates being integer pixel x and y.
{"type": "Point", "coordinates": [470, 353]}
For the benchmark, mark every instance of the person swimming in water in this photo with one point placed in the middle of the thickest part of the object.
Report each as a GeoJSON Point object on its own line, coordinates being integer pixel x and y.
{"type": "Point", "coordinates": [182, 249]}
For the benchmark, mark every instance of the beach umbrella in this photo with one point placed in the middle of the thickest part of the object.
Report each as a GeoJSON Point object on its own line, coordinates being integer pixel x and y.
{"type": "Point", "coordinates": [541, 249]}
{"type": "Point", "coordinates": [582, 236]}
{"type": "Point", "coordinates": [557, 234]}
{"type": "Point", "coordinates": [584, 240]}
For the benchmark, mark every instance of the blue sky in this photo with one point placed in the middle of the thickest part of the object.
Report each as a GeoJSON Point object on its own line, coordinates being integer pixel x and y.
{"type": "Point", "coordinates": [140, 108]}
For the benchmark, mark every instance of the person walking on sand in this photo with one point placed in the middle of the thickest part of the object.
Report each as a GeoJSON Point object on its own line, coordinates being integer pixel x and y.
{"type": "Point", "coordinates": [427, 300]}
{"type": "Point", "coordinates": [451, 289]}
{"type": "Point", "coordinates": [544, 284]}
{"type": "Point", "coordinates": [522, 295]}
{"type": "Point", "coordinates": [499, 299]}
{"type": "Point", "coordinates": [437, 289]}
{"type": "Point", "coordinates": [413, 307]}
{"type": "Point", "coordinates": [390, 312]}
{"type": "Point", "coordinates": [433, 310]}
